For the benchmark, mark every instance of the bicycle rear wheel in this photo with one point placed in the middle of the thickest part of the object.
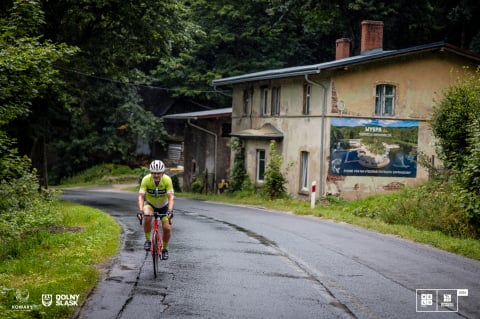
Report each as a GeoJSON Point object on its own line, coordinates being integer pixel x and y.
{"type": "Point", "coordinates": [155, 254]}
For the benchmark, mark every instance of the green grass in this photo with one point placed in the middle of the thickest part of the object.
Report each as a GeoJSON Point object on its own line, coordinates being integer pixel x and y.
{"type": "Point", "coordinates": [60, 260]}
{"type": "Point", "coordinates": [104, 174]}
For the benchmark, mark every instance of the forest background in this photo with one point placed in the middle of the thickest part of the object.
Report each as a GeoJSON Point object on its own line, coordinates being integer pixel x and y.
{"type": "Point", "coordinates": [77, 76]}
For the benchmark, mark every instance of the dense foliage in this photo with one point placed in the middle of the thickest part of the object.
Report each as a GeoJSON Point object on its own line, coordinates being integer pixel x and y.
{"type": "Point", "coordinates": [100, 116]}
{"type": "Point", "coordinates": [433, 206]}
{"type": "Point", "coordinates": [453, 120]}
{"type": "Point", "coordinates": [456, 125]}
{"type": "Point", "coordinates": [26, 64]}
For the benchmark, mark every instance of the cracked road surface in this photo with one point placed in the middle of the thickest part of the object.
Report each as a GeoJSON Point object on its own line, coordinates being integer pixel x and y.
{"type": "Point", "coordinates": [241, 262]}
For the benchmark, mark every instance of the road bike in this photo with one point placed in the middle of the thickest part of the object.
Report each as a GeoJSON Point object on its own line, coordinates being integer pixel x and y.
{"type": "Point", "coordinates": [156, 245]}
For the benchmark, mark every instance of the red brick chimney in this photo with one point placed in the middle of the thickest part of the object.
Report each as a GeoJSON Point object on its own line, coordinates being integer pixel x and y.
{"type": "Point", "coordinates": [372, 35]}
{"type": "Point", "coordinates": [342, 48]}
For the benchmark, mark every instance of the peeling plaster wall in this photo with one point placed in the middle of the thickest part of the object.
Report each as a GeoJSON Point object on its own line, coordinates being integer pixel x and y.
{"type": "Point", "coordinates": [419, 81]}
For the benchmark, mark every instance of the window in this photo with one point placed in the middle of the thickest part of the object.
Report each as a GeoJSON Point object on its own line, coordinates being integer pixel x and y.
{"type": "Point", "coordinates": [385, 100]}
{"type": "Point", "coordinates": [275, 101]}
{"type": "Point", "coordinates": [264, 101]}
{"type": "Point", "coordinates": [226, 129]}
{"type": "Point", "coordinates": [307, 89]}
{"type": "Point", "coordinates": [246, 101]}
{"type": "Point", "coordinates": [260, 165]}
{"type": "Point", "coordinates": [304, 171]}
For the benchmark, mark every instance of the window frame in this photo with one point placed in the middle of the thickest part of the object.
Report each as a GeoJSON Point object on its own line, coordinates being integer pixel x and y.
{"type": "Point", "coordinates": [261, 165]}
{"type": "Point", "coordinates": [304, 170]}
{"type": "Point", "coordinates": [264, 101]}
{"type": "Point", "coordinates": [307, 95]}
{"type": "Point", "coordinates": [275, 104]}
{"type": "Point", "coordinates": [381, 98]}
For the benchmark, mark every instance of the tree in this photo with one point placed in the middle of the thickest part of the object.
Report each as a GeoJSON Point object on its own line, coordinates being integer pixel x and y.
{"type": "Point", "coordinates": [27, 60]}
{"type": "Point", "coordinates": [456, 126]}
{"type": "Point", "coordinates": [100, 114]}
{"type": "Point", "coordinates": [453, 115]}
{"type": "Point", "coordinates": [236, 37]}
{"type": "Point", "coordinates": [27, 70]}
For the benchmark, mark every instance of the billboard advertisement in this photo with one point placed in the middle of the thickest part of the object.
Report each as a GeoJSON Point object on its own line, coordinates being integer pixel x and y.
{"type": "Point", "coordinates": [373, 147]}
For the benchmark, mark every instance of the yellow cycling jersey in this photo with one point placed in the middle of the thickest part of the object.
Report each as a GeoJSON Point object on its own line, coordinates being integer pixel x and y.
{"type": "Point", "coordinates": [156, 195]}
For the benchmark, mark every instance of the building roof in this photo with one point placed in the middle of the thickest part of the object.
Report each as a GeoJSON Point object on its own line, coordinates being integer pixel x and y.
{"type": "Point", "coordinates": [267, 131]}
{"type": "Point", "coordinates": [216, 113]}
{"type": "Point", "coordinates": [369, 56]}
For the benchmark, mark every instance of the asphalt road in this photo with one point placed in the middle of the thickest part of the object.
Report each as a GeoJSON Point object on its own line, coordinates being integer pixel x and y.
{"type": "Point", "coordinates": [231, 261]}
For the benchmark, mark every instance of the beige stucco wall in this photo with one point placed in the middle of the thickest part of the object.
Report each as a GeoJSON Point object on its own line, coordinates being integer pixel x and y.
{"type": "Point", "coordinates": [419, 82]}
{"type": "Point", "coordinates": [301, 133]}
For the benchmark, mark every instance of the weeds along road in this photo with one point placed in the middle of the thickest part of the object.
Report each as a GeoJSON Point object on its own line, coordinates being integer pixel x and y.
{"type": "Point", "coordinates": [231, 261]}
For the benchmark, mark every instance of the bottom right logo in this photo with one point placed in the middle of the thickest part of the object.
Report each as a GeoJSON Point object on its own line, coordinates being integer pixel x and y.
{"type": "Point", "coordinates": [439, 300]}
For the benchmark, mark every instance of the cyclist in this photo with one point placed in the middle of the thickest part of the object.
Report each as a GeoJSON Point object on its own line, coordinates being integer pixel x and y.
{"type": "Point", "coordinates": [156, 194]}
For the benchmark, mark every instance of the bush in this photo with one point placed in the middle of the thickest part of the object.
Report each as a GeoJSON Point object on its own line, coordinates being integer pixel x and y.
{"type": "Point", "coordinates": [456, 125]}
{"type": "Point", "coordinates": [239, 173]}
{"type": "Point", "coordinates": [429, 207]}
{"type": "Point", "coordinates": [198, 186]}
{"type": "Point", "coordinates": [176, 183]}
{"type": "Point", "coordinates": [275, 179]}
{"type": "Point", "coordinates": [23, 208]}
{"type": "Point", "coordinates": [144, 171]}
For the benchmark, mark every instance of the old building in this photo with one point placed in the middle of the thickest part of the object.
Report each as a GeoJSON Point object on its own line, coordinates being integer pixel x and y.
{"type": "Point", "coordinates": [354, 125]}
{"type": "Point", "coordinates": [206, 146]}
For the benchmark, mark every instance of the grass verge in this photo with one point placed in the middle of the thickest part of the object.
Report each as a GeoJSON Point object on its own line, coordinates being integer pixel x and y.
{"type": "Point", "coordinates": [60, 260]}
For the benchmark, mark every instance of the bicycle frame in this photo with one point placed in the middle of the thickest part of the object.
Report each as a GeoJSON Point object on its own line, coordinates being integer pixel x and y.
{"type": "Point", "coordinates": [157, 244]}
{"type": "Point", "coordinates": [156, 240]}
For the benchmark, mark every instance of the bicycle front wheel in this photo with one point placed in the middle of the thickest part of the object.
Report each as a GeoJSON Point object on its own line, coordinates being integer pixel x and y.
{"type": "Point", "coordinates": [155, 254]}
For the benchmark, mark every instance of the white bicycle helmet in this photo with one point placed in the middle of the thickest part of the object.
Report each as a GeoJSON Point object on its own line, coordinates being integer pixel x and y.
{"type": "Point", "coordinates": [157, 166]}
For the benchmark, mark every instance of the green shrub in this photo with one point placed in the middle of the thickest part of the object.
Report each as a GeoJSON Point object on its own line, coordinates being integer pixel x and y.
{"type": "Point", "coordinates": [239, 173]}
{"type": "Point", "coordinates": [176, 183]}
{"type": "Point", "coordinates": [432, 206]}
{"type": "Point", "coordinates": [456, 126]}
{"type": "Point", "coordinates": [23, 207]}
{"type": "Point", "coordinates": [247, 189]}
{"type": "Point", "coordinates": [275, 179]}
{"type": "Point", "coordinates": [143, 171]}
{"type": "Point", "coordinates": [198, 186]}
